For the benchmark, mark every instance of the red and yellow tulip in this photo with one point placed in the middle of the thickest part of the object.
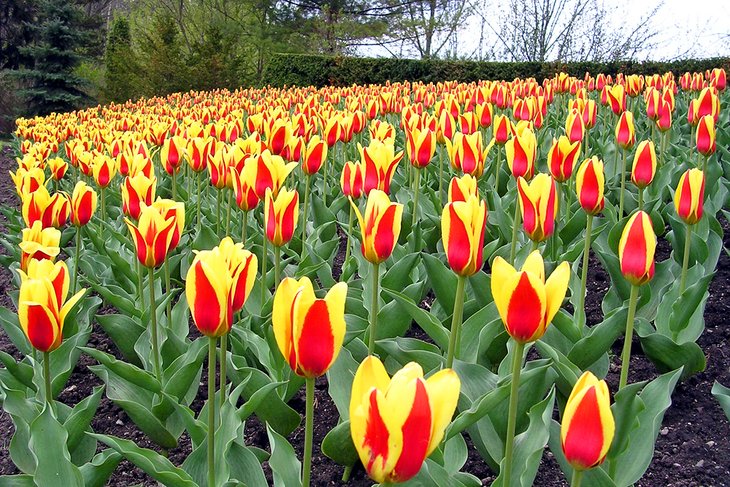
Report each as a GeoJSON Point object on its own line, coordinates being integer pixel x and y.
{"type": "Point", "coordinates": [281, 215]}
{"type": "Point", "coordinates": [460, 188]}
{"type": "Point", "coordinates": [521, 152]}
{"type": "Point", "coordinates": [525, 301]}
{"type": "Point", "coordinates": [83, 204]}
{"type": "Point", "coordinates": [625, 132]}
{"type": "Point", "coordinates": [705, 136]}
{"type": "Point", "coordinates": [462, 229]}
{"type": "Point", "coordinates": [589, 184]}
{"type": "Point", "coordinates": [39, 243]}
{"type": "Point", "coordinates": [380, 227]}
{"type": "Point", "coordinates": [396, 423]}
{"type": "Point", "coordinates": [208, 289]}
{"type": "Point", "coordinates": [242, 266]}
{"type": "Point", "coordinates": [137, 190]}
{"type": "Point", "coordinates": [561, 158]}
{"type": "Point", "coordinates": [539, 206]}
{"type": "Point", "coordinates": [689, 196]}
{"type": "Point", "coordinates": [351, 180]}
{"type": "Point", "coordinates": [314, 156]}
{"type": "Point", "coordinates": [636, 249]}
{"type": "Point", "coordinates": [421, 146]}
{"type": "Point", "coordinates": [574, 126]}
{"type": "Point", "coordinates": [467, 153]}
{"type": "Point", "coordinates": [379, 160]}
{"type": "Point", "coordinates": [644, 166]}
{"type": "Point", "coordinates": [152, 234]}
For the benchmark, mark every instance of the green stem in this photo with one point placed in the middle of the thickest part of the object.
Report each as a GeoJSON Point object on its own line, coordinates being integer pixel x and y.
{"type": "Point", "coordinates": [584, 275]}
{"type": "Point", "coordinates": [76, 260]}
{"type": "Point", "coordinates": [277, 265]}
{"type": "Point", "coordinates": [224, 352]}
{"type": "Point", "coordinates": [515, 224]}
{"type": "Point", "coordinates": [228, 213]}
{"type": "Point", "coordinates": [168, 287]}
{"type": "Point", "coordinates": [456, 320]}
{"type": "Point", "coordinates": [512, 415]}
{"type": "Point", "coordinates": [244, 228]}
{"type": "Point", "coordinates": [326, 180]}
{"type": "Point", "coordinates": [685, 259]}
{"type": "Point", "coordinates": [498, 169]}
{"type": "Point", "coordinates": [305, 211]}
{"type": "Point", "coordinates": [416, 189]}
{"type": "Point", "coordinates": [218, 212]}
{"type": "Point", "coordinates": [308, 432]}
{"type": "Point", "coordinates": [153, 318]}
{"type": "Point", "coordinates": [47, 377]}
{"type": "Point", "coordinates": [346, 474]}
{"type": "Point", "coordinates": [623, 185]}
{"type": "Point", "coordinates": [556, 224]}
{"type": "Point", "coordinates": [641, 198]}
{"type": "Point", "coordinates": [374, 308]}
{"type": "Point", "coordinates": [103, 205]}
{"type": "Point", "coordinates": [441, 175]}
{"type": "Point", "coordinates": [174, 184]}
{"type": "Point", "coordinates": [264, 259]}
{"type": "Point", "coordinates": [197, 209]}
{"type": "Point", "coordinates": [349, 235]}
{"type": "Point", "coordinates": [211, 411]}
{"type": "Point", "coordinates": [534, 245]}
{"type": "Point", "coordinates": [577, 477]}
{"type": "Point", "coordinates": [626, 353]}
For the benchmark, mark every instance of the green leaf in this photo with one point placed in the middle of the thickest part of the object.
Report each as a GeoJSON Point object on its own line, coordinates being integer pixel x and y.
{"type": "Point", "coordinates": [283, 462]}
{"type": "Point", "coordinates": [100, 468]}
{"type": "Point", "coordinates": [338, 445]}
{"type": "Point", "coordinates": [21, 480]}
{"type": "Point", "coordinates": [151, 462]}
{"type": "Point", "coordinates": [53, 461]}
{"type": "Point", "coordinates": [599, 339]}
{"type": "Point", "coordinates": [668, 355]}
{"type": "Point", "coordinates": [245, 466]}
{"type": "Point", "coordinates": [20, 370]}
{"type": "Point", "coordinates": [65, 357]}
{"type": "Point", "coordinates": [130, 373]}
{"type": "Point", "coordinates": [442, 281]}
{"type": "Point", "coordinates": [124, 332]}
{"type": "Point", "coordinates": [80, 418]}
{"type": "Point", "coordinates": [9, 322]}
{"type": "Point", "coordinates": [339, 381]}
{"type": "Point", "coordinates": [425, 320]}
{"type": "Point", "coordinates": [722, 394]}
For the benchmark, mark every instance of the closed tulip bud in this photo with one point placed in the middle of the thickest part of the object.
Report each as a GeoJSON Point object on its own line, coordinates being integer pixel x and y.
{"type": "Point", "coordinates": [708, 103]}
{"type": "Point", "coordinates": [539, 205]}
{"type": "Point", "coordinates": [104, 169]}
{"type": "Point", "coordinates": [718, 79]}
{"type": "Point", "coordinates": [152, 235]}
{"type": "Point", "coordinates": [462, 230]}
{"type": "Point", "coordinates": [589, 185]}
{"type": "Point", "coordinates": [525, 301]}
{"type": "Point", "coordinates": [521, 152]}
{"type": "Point", "coordinates": [616, 98]}
{"type": "Point", "coordinates": [137, 190]}
{"type": "Point", "coordinates": [351, 180]}
{"type": "Point", "coordinates": [244, 184]}
{"type": "Point", "coordinates": [484, 114]}
{"type": "Point", "coordinates": [197, 154]}
{"type": "Point", "coordinates": [282, 213]}
{"type": "Point", "coordinates": [664, 116]}
{"type": "Point", "coordinates": [625, 132]}
{"type": "Point", "coordinates": [39, 243]}
{"type": "Point", "coordinates": [218, 171]}
{"type": "Point", "coordinates": [208, 289]}
{"type": "Point", "coordinates": [380, 162]}
{"type": "Point", "coordinates": [42, 303]}
{"type": "Point", "coordinates": [397, 423]}
{"type": "Point", "coordinates": [460, 188]}
{"type": "Point", "coordinates": [309, 331]}
{"type": "Point", "coordinates": [690, 195]}
{"type": "Point", "coordinates": [587, 428]}
{"type": "Point", "coordinates": [172, 154]}
{"type": "Point", "coordinates": [271, 172]}
{"type": "Point", "coordinates": [175, 210]}
{"type": "Point", "coordinates": [314, 156]}
{"type": "Point", "coordinates": [380, 227]}
{"type": "Point", "coordinates": [644, 167]}
{"type": "Point", "coordinates": [242, 266]}
{"type": "Point", "coordinates": [561, 158]}
{"type": "Point", "coordinates": [446, 126]}
{"type": "Point", "coordinates": [58, 168]}
{"type": "Point", "coordinates": [574, 126]}
{"type": "Point", "coordinates": [705, 136]}
{"type": "Point", "coordinates": [467, 153]}
{"type": "Point", "coordinates": [331, 132]}
{"type": "Point", "coordinates": [421, 146]}
{"type": "Point", "coordinates": [502, 129]}
{"type": "Point", "coordinates": [636, 249]}
{"type": "Point", "coordinates": [83, 204]}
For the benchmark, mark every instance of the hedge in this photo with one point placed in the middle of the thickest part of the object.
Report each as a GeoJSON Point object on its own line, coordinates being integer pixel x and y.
{"type": "Point", "coordinates": [316, 70]}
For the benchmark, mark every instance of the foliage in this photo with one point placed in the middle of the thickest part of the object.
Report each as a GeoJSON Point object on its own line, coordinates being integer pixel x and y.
{"type": "Point", "coordinates": [122, 71]}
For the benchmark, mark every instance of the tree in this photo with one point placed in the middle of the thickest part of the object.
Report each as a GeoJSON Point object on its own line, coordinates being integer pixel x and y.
{"type": "Point", "coordinates": [16, 18]}
{"type": "Point", "coordinates": [51, 83]}
{"type": "Point", "coordinates": [162, 65]}
{"type": "Point", "coordinates": [121, 75]}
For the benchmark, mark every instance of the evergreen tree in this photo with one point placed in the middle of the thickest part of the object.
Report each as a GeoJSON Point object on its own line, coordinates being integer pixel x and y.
{"type": "Point", "coordinates": [121, 80]}
{"type": "Point", "coordinates": [51, 83]}
{"type": "Point", "coordinates": [161, 63]}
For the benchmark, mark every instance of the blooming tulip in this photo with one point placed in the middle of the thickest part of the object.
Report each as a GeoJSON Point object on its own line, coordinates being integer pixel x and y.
{"type": "Point", "coordinates": [587, 428]}
{"type": "Point", "coordinates": [281, 214]}
{"type": "Point", "coordinates": [625, 132]}
{"type": "Point", "coordinates": [314, 156]}
{"type": "Point", "coordinates": [689, 196]}
{"type": "Point", "coordinates": [462, 229]}
{"type": "Point", "coordinates": [705, 136]}
{"type": "Point", "coordinates": [152, 235]}
{"type": "Point", "coordinates": [58, 168]}
{"type": "Point", "coordinates": [467, 154]}
{"type": "Point", "coordinates": [380, 226]}
{"type": "Point", "coordinates": [39, 243]}
{"type": "Point", "coordinates": [539, 206]}
{"type": "Point", "coordinates": [521, 152]}
{"type": "Point", "coordinates": [351, 180]}
{"type": "Point", "coordinates": [460, 188]}
{"type": "Point", "coordinates": [397, 423]}
{"type": "Point", "coordinates": [421, 146]}
{"type": "Point", "coordinates": [242, 266]}
{"type": "Point", "coordinates": [137, 190]}
{"type": "Point", "coordinates": [644, 166]}
{"type": "Point", "coordinates": [379, 160]}
{"type": "Point", "coordinates": [28, 180]}
{"type": "Point", "coordinates": [574, 126]}
{"type": "Point", "coordinates": [561, 158]}
{"type": "Point", "coordinates": [83, 204]}
{"type": "Point", "coordinates": [208, 289]}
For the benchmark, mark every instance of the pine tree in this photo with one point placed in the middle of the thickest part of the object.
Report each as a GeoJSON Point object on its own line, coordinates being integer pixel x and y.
{"type": "Point", "coordinates": [51, 83]}
{"type": "Point", "coordinates": [121, 80]}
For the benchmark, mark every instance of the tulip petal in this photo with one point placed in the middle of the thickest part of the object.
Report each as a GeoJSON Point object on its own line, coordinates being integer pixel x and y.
{"type": "Point", "coordinates": [555, 289]}
{"type": "Point", "coordinates": [443, 389]}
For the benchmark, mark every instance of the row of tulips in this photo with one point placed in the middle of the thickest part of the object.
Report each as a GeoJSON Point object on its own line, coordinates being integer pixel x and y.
{"type": "Point", "coordinates": [392, 424]}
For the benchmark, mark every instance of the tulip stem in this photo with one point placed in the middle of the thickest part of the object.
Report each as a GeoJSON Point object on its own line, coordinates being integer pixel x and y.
{"type": "Point", "coordinates": [140, 283]}
{"type": "Point", "coordinates": [211, 410]}
{"type": "Point", "coordinates": [153, 318]}
{"type": "Point", "coordinates": [515, 224]}
{"type": "Point", "coordinates": [512, 417]}
{"type": "Point", "coordinates": [623, 185]}
{"type": "Point", "coordinates": [346, 474]}
{"type": "Point", "coordinates": [441, 175]}
{"type": "Point", "coordinates": [244, 228]}
{"type": "Point", "coordinates": [174, 183]}
{"type": "Point", "coordinates": [456, 321]}
{"type": "Point", "coordinates": [577, 477]}
{"type": "Point", "coordinates": [374, 308]}
{"type": "Point", "coordinates": [584, 275]}
{"type": "Point", "coordinates": [626, 353]}
{"type": "Point", "coordinates": [228, 212]}
{"type": "Point", "coordinates": [308, 432]}
{"type": "Point", "coordinates": [305, 211]}
{"type": "Point", "coordinates": [224, 353]}
{"type": "Point", "coordinates": [277, 264]}
{"type": "Point", "coordinates": [47, 377]}
{"type": "Point", "coordinates": [103, 204]}
{"type": "Point", "coordinates": [416, 190]}
{"type": "Point", "coordinates": [497, 170]}
{"type": "Point", "coordinates": [76, 260]}
{"type": "Point", "coordinates": [197, 209]}
{"type": "Point", "coordinates": [349, 236]}
{"type": "Point", "coordinates": [685, 259]}
{"type": "Point", "coordinates": [218, 213]}
{"type": "Point", "coordinates": [168, 287]}
{"type": "Point", "coordinates": [264, 258]}
{"type": "Point", "coordinates": [641, 198]}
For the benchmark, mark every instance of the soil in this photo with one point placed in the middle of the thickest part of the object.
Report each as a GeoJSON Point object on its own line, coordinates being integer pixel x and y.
{"type": "Point", "coordinates": [691, 450]}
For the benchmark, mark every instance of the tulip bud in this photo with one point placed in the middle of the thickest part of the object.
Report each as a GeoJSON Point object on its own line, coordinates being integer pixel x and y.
{"type": "Point", "coordinates": [574, 126]}
{"type": "Point", "coordinates": [625, 133]}
{"type": "Point", "coordinates": [589, 185]}
{"type": "Point", "coordinates": [521, 151]}
{"type": "Point", "coordinates": [421, 146]}
{"type": "Point", "coordinates": [539, 205]}
{"type": "Point", "coordinates": [208, 289]}
{"type": "Point", "coordinates": [380, 227]}
{"type": "Point", "coordinates": [690, 195]}
{"type": "Point", "coordinates": [644, 167]}
{"type": "Point", "coordinates": [244, 184]}
{"type": "Point", "coordinates": [525, 301]}
{"type": "Point", "coordinates": [242, 266]}
{"type": "Point", "coordinates": [561, 158]}
{"type": "Point", "coordinates": [83, 204]}
{"type": "Point", "coordinates": [351, 180]}
{"type": "Point", "coordinates": [309, 331]}
{"type": "Point", "coordinates": [397, 423]}
{"type": "Point", "coordinates": [380, 161]}
{"type": "Point", "coordinates": [314, 156]}
{"type": "Point", "coordinates": [502, 129]}
{"type": "Point", "coordinates": [461, 188]}
{"type": "Point", "coordinates": [636, 249]}
{"type": "Point", "coordinates": [137, 190]}
{"type": "Point", "coordinates": [58, 168]}
{"type": "Point", "coordinates": [705, 136]}
{"type": "Point", "coordinates": [462, 229]}
{"type": "Point", "coordinates": [281, 215]}
{"type": "Point", "coordinates": [588, 426]}
{"type": "Point", "coordinates": [467, 154]}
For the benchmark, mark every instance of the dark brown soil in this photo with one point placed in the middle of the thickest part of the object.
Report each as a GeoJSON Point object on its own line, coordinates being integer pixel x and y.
{"type": "Point", "coordinates": [692, 449]}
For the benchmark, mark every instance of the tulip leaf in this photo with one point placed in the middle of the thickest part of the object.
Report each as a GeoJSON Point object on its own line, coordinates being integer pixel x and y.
{"type": "Point", "coordinates": [151, 462]}
{"type": "Point", "coordinates": [19, 370]}
{"type": "Point", "coordinates": [404, 350]}
{"type": "Point", "coordinates": [53, 461]}
{"type": "Point", "coordinates": [599, 339]}
{"type": "Point", "coordinates": [425, 320]}
{"type": "Point", "coordinates": [339, 381]}
{"type": "Point", "coordinates": [668, 355]}
{"type": "Point", "coordinates": [722, 394]}
{"type": "Point", "coordinates": [21, 480]}
{"type": "Point", "coordinates": [283, 462]}
{"type": "Point", "coordinates": [245, 466]}
{"type": "Point", "coordinates": [80, 418]}
{"type": "Point", "coordinates": [128, 372]}
{"type": "Point", "coordinates": [23, 411]}
{"type": "Point", "coordinates": [256, 400]}
{"type": "Point", "coordinates": [442, 281]}
{"type": "Point", "coordinates": [181, 378]}
{"type": "Point", "coordinates": [338, 445]}
{"type": "Point", "coordinates": [9, 322]}
{"type": "Point", "coordinates": [124, 332]}
{"type": "Point", "coordinates": [100, 468]}
{"type": "Point", "coordinates": [625, 409]}
{"type": "Point", "coordinates": [64, 359]}
{"type": "Point", "coordinates": [399, 275]}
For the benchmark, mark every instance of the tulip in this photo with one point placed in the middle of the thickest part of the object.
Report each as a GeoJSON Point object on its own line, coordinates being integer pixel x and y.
{"type": "Point", "coordinates": [51, 211]}
{"type": "Point", "coordinates": [246, 198]}
{"type": "Point", "coordinates": [574, 126]}
{"type": "Point", "coordinates": [421, 146]}
{"type": "Point", "coordinates": [315, 155]}
{"type": "Point", "coordinates": [137, 190]}
{"type": "Point", "coordinates": [539, 206]}
{"type": "Point", "coordinates": [38, 243]}
{"type": "Point", "coordinates": [636, 256]}
{"type": "Point", "coordinates": [351, 182]}
{"type": "Point", "coordinates": [379, 231]}
{"type": "Point", "coordinates": [467, 154]}
{"type": "Point", "coordinates": [380, 161]}
{"type": "Point", "coordinates": [28, 180]}
{"type": "Point", "coordinates": [625, 138]}
{"type": "Point", "coordinates": [104, 169]}
{"type": "Point", "coordinates": [462, 229]}
{"type": "Point", "coordinates": [208, 289]}
{"type": "Point", "coordinates": [688, 201]}
{"type": "Point", "coordinates": [83, 207]}
{"type": "Point", "coordinates": [705, 137]}
{"type": "Point", "coordinates": [462, 187]}
{"type": "Point", "coordinates": [616, 97]}
{"type": "Point", "coordinates": [309, 333]}
{"type": "Point", "coordinates": [527, 304]}
{"type": "Point", "coordinates": [58, 168]}
{"type": "Point", "coordinates": [588, 426]}
{"type": "Point", "coordinates": [644, 167]}
{"type": "Point", "coordinates": [561, 158]}
{"type": "Point", "coordinates": [43, 307]}
{"type": "Point", "coordinates": [280, 219]}
{"type": "Point", "coordinates": [172, 155]}
{"type": "Point", "coordinates": [397, 423]}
